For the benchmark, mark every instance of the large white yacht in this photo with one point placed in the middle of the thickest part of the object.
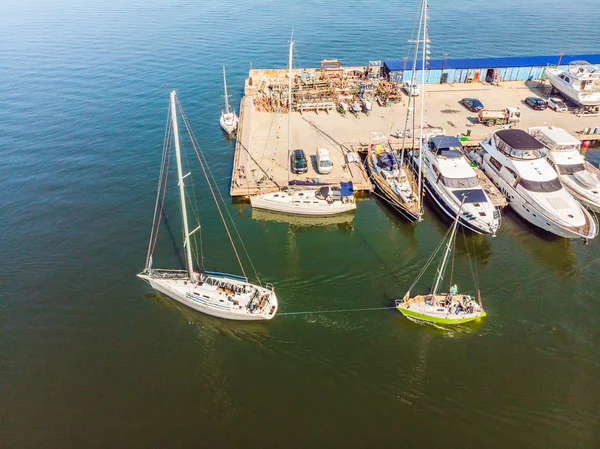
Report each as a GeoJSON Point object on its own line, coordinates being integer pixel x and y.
{"type": "Point", "coordinates": [578, 176]}
{"type": "Point", "coordinates": [448, 178]}
{"type": "Point", "coordinates": [515, 162]}
{"type": "Point", "coordinates": [580, 83]}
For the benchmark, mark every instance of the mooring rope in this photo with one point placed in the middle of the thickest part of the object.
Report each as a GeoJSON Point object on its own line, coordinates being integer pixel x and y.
{"type": "Point", "coordinates": [316, 312]}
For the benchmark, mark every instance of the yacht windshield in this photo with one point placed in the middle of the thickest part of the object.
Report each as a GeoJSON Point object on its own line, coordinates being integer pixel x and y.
{"type": "Point", "coordinates": [460, 183]}
{"type": "Point", "coordinates": [541, 186]}
{"type": "Point", "coordinates": [570, 169]}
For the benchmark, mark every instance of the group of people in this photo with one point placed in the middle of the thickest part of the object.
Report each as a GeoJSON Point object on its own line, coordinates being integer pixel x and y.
{"type": "Point", "coordinates": [457, 306]}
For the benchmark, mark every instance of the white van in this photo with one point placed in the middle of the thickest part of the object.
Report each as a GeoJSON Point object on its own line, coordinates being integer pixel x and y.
{"type": "Point", "coordinates": [324, 164]}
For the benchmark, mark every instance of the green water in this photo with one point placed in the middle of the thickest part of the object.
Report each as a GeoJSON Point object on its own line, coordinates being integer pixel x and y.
{"type": "Point", "coordinates": [91, 357]}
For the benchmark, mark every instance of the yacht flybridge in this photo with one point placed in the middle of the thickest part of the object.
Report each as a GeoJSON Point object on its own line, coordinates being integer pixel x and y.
{"type": "Point", "coordinates": [453, 185]}
{"type": "Point", "coordinates": [515, 162]}
{"type": "Point", "coordinates": [222, 295]}
{"type": "Point", "coordinates": [580, 83]}
{"type": "Point", "coordinates": [577, 175]}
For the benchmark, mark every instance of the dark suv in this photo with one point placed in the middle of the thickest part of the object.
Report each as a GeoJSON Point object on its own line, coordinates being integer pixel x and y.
{"type": "Point", "coordinates": [299, 162]}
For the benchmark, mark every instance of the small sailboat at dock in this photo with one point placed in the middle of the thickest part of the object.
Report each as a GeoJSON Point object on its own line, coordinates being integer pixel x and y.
{"type": "Point", "coordinates": [221, 295]}
{"type": "Point", "coordinates": [229, 119]}
{"type": "Point", "coordinates": [442, 308]}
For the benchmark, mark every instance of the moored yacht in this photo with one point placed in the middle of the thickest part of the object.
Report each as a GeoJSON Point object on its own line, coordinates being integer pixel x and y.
{"type": "Point", "coordinates": [515, 162]}
{"type": "Point", "coordinates": [327, 200]}
{"type": "Point", "coordinates": [580, 83]}
{"type": "Point", "coordinates": [229, 119]}
{"type": "Point", "coordinates": [392, 179]}
{"type": "Point", "coordinates": [578, 176]}
{"type": "Point", "coordinates": [449, 179]}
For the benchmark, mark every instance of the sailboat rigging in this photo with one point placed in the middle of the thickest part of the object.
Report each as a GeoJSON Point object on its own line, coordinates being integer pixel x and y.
{"type": "Point", "coordinates": [442, 308]}
{"type": "Point", "coordinates": [393, 179]}
{"type": "Point", "coordinates": [218, 294]}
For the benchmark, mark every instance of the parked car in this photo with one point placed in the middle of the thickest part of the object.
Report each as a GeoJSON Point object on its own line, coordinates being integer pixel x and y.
{"type": "Point", "coordinates": [472, 104]}
{"type": "Point", "coordinates": [324, 164]}
{"type": "Point", "coordinates": [411, 89]}
{"type": "Point", "coordinates": [299, 162]}
{"type": "Point", "coordinates": [535, 103]}
{"type": "Point", "coordinates": [557, 104]}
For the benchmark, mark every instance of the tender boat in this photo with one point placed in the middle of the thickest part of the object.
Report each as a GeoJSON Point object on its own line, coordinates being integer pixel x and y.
{"type": "Point", "coordinates": [229, 119]}
{"type": "Point", "coordinates": [450, 182]}
{"type": "Point", "coordinates": [577, 175]}
{"type": "Point", "coordinates": [221, 295]}
{"type": "Point", "coordinates": [514, 161]}
{"type": "Point", "coordinates": [393, 180]}
{"type": "Point", "coordinates": [580, 83]}
{"type": "Point", "coordinates": [442, 308]}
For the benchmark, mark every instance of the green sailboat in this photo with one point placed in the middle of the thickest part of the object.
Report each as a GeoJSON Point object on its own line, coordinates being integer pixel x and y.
{"type": "Point", "coordinates": [442, 308]}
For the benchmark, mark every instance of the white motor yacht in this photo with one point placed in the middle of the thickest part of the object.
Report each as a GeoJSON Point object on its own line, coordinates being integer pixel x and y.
{"type": "Point", "coordinates": [515, 162]}
{"type": "Point", "coordinates": [577, 175]}
{"type": "Point", "coordinates": [449, 178]}
{"type": "Point", "coordinates": [580, 83]}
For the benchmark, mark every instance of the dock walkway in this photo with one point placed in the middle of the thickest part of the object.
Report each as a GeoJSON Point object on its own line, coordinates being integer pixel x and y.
{"type": "Point", "coordinates": [261, 159]}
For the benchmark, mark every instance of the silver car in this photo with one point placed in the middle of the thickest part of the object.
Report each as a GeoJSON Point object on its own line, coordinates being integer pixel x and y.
{"type": "Point", "coordinates": [557, 104]}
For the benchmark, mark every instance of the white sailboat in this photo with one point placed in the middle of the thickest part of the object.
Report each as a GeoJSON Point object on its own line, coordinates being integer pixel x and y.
{"type": "Point", "coordinates": [578, 176]}
{"type": "Point", "coordinates": [446, 174]}
{"type": "Point", "coordinates": [327, 200]}
{"type": "Point", "coordinates": [229, 119]}
{"type": "Point", "coordinates": [514, 161]}
{"type": "Point", "coordinates": [442, 308]}
{"type": "Point", "coordinates": [222, 295]}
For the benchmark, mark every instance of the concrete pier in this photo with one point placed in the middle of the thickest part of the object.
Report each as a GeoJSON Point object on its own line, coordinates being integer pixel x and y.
{"type": "Point", "coordinates": [261, 160]}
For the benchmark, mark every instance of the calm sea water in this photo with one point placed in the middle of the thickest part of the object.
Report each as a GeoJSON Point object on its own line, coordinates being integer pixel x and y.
{"type": "Point", "coordinates": [90, 357]}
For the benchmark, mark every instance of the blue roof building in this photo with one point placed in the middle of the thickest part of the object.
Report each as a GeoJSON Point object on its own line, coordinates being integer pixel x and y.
{"type": "Point", "coordinates": [517, 68]}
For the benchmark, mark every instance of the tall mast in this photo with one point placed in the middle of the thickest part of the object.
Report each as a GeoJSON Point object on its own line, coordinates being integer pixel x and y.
{"type": "Point", "coordinates": [425, 41]}
{"type": "Point", "coordinates": [226, 96]}
{"type": "Point", "coordinates": [411, 99]}
{"type": "Point", "coordinates": [442, 267]}
{"type": "Point", "coordinates": [290, 103]}
{"type": "Point", "coordinates": [186, 231]}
